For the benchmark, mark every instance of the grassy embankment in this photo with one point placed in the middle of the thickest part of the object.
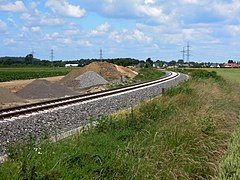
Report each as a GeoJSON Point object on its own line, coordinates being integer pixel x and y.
{"type": "Point", "coordinates": [229, 167]}
{"type": "Point", "coordinates": [181, 135]}
{"type": "Point", "coordinates": [9, 74]}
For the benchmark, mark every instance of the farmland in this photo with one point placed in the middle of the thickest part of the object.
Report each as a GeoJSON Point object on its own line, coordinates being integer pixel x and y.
{"type": "Point", "coordinates": [9, 74]}
{"type": "Point", "coordinates": [229, 73]}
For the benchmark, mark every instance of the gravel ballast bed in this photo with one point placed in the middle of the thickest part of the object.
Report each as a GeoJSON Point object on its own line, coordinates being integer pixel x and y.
{"type": "Point", "coordinates": [65, 119]}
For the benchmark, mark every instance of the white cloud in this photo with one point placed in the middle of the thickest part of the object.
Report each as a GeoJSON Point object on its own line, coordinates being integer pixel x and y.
{"type": "Point", "coordinates": [192, 1]}
{"type": "Point", "coordinates": [101, 29]}
{"type": "Point", "coordinates": [3, 26]}
{"type": "Point", "coordinates": [51, 36]}
{"type": "Point", "coordinates": [84, 43]}
{"type": "Point", "coordinates": [18, 6]}
{"type": "Point", "coordinates": [71, 32]}
{"type": "Point", "coordinates": [65, 8]}
{"type": "Point", "coordinates": [9, 41]}
{"type": "Point", "coordinates": [150, 1]}
{"type": "Point", "coordinates": [64, 40]}
{"type": "Point", "coordinates": [139, 36]}
{"type": "Point", "coordinates": [51, 21]}
{"type": "Point", "coordinates": [130, 36]}
{"type": "Point", "coordinates": [24, 29]}
{"type": "Point", "coordinates": [27, 17]}
{"type": "Point", "coordinates": [35, 28]}
{"type": "Point", "coordinates": [230, 10]}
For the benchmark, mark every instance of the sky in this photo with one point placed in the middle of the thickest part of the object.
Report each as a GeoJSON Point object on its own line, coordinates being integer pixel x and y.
{"type": "Point", "coordinates": [140, 29]}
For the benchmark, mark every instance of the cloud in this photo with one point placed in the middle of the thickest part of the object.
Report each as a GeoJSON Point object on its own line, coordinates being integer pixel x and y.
{"type": "Point", "coordinates": [130, 36]}
{"type": "Point", "coordinates": [51, 21]}
{"type": "Point", "coordinates": [229, 10]}
{"type": "Point", "coordinates": [51, 36]}
{"type": "Point", "coordinates": [9, 41]}
{"type": "Point", "coordinates": [84, 43]}
{"type": "Point", "coordinates": [65, 8]}
{"type": "Point", "coordinates": [3, 26]}
{"type": "Point", "coordinates": [18, 6]}
{"type": "Point", "coordinates": [101, 29]}
{"type": "Point", "coordinates": [35, 28]}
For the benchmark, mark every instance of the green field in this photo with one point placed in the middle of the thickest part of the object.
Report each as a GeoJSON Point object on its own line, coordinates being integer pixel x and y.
{"type": "Point", "coordinates": [229, 73]}
{"type": "Point", "coordinates": [9, 74]}
{"type": "Point", "coordinates": [180, 135]}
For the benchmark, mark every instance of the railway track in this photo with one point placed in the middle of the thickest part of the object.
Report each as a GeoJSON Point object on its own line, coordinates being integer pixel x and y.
{"type": "Point", "coordinates": [61, 102]}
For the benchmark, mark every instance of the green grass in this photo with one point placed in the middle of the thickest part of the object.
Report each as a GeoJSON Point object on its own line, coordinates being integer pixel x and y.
{"type": "Point", "coordinates": [181, 135]}
{"type": "Point", "coordinates": [229, 167]}
{"type": "Point", "coordinates": [146, 74]}
{"type": "Point", "coordinates": [229, 73]}
{"type": "Point", "coordinates": [9, 74]}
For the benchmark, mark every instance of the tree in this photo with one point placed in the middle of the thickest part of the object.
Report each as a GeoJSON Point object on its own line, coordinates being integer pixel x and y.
{"type": "Point", "coordinates": [172, 63]}
{"type": "Point", "coordinates": [149, 63]}
{"type": "Point", "coordinates": [180, 61]}
{"type": "Point", "coordinates": [29, 59]}
{"type": "Point", "coordinates": [230, 61]}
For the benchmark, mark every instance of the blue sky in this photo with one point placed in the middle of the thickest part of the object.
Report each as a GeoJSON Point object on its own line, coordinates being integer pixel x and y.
{"type": "Point", "coordinates": [158, 29]}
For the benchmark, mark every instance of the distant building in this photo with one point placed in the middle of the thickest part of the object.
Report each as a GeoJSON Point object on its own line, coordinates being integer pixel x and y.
{"type": "Point", "coordinates": [231, 65]}
{"type": "Point", "coordinates": [156, 65]}
{"type": "Point", "coordinates": [71, 65]}
{"type": "Point", "coordinates": [215, 65]}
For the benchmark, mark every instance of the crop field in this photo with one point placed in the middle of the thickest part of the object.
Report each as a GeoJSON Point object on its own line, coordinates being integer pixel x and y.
{"type": "Point", "coordinates": [9, 74]}
{"type": "Point", "coordinates": [229, 73]}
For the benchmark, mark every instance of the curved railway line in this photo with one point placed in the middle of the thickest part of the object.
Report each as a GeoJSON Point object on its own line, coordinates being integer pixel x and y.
{"type": "Point", "coordinates": [46, 105]}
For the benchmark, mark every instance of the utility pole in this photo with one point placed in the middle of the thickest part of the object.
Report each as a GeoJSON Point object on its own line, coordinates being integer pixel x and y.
{"type": "Point", "coordinates": [188, 52]}
{"type": "Point", "coordinates": [52, 55]}
{"type": "Point", "coordinates": [101, 55]}
{"type": "Point", "coordinates": [183, 53]}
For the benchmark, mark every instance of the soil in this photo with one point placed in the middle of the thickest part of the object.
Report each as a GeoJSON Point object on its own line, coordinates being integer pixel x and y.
{"type": "Point", "coordinates": [17, 85]}
{"type": "Point", "coordinates": [6, 96]}
{"type": "Point", "coordinates": [108, 71]}
{"type": "Point", "coordinates": [42, 88]}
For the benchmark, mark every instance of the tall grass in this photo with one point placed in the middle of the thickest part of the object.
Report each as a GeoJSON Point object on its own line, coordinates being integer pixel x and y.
{"type": "Point", "coordinates": [181, 135]}
{"type": "Point", "coordinates": [229, 167]}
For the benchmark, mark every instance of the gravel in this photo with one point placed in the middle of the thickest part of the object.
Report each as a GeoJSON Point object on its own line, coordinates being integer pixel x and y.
{"type": "Point", "coordinates": [90, 79]}
{"type": "Point", "coordinates": [6, 96]}
{"type": "Point", "coordinates": [68, 118]}
{"type": "Point", "coordinates": [39, 89]}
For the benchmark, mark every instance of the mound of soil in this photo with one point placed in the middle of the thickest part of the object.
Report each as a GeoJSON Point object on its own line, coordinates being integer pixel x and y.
{"type": "Point", "coordinates": [6, 96]}
{"type": "Point", "coordinates": [126, 71]}
{"type": "Point", "coordinates": [40, 89]}
{"type": "Point", "coordinates": [108, 71]}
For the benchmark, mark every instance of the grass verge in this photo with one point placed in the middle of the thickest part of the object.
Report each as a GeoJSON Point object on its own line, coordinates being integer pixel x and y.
{"type": "Point", "coordinates": [181, 135]}
{"type": "Point", "coordinates": [229, 167]}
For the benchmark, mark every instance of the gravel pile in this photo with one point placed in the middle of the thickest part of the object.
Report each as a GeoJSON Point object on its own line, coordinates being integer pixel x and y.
{"type": "Point", "coordinates": [90, 79]}
{"type": "Point", "coordinates": [6, 96]}
{"type": "Point", "coordinates": [40, 89]}
{"type": "Point", "coordinates": [108, 71]}
{"type": "Point", "coordinates": [65, 119]}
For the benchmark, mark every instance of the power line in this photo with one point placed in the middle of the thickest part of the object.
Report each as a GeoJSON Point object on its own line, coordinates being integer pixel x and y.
{"type": "Point", "coordinates": [188, 52]}
{"type": "Point", "coordinates": [101, 54]}
{"type": "Point", "coordinates": [52, 54]}
{"type": "Point", "coordinates": [183, 53]}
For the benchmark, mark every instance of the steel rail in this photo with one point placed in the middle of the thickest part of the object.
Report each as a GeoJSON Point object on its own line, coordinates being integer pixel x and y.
{"type": "Point", "coordinates": [36, 107]}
